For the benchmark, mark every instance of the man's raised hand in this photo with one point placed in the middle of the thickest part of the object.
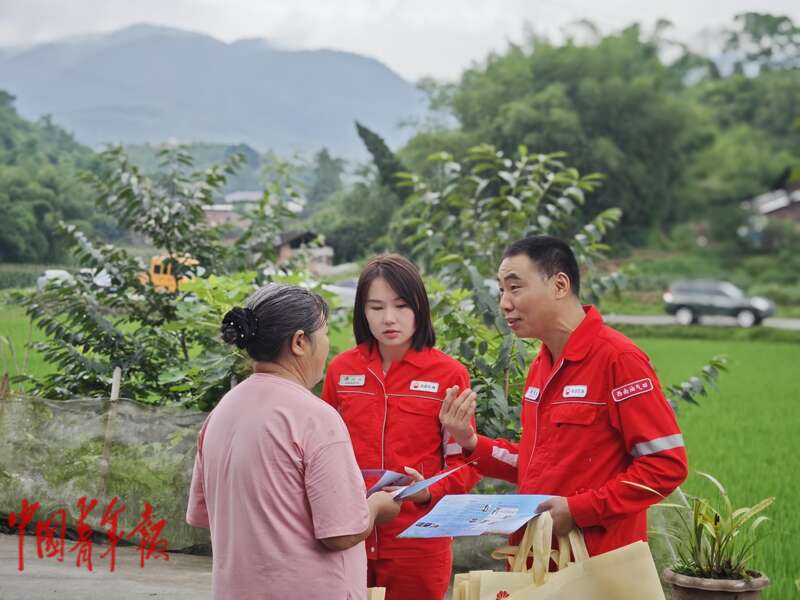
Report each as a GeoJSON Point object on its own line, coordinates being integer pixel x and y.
{"type": "Point", "coordinates": [456, 415]}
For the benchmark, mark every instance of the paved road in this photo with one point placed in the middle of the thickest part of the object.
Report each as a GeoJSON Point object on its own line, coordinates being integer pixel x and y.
{"type": "Point", "coordinates": [183, 577]}
{"type": "Point", "coordinates": [790, 324]}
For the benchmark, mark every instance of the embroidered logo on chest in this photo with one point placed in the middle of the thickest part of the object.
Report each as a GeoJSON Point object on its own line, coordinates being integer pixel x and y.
{"type": "Point", "coordinates": [634, 388]}
{"type": "Point", "coordinates": [532, 393]}
{"type": "Point", "coordinates": [575, 391]}
{"type": "Point", "coordinates": [424, 386]}
{"type": "Point", "coordinates": [352, 380]}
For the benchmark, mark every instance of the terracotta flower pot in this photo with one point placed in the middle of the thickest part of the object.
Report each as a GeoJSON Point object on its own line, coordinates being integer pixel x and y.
{"type": "Point", "coordinates": [699, 588]}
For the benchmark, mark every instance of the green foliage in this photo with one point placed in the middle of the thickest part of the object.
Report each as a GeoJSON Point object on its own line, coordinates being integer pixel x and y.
{"type": "Point", "coordinates": [497, 361]}
{"type": "Point", "coordinates": [741, 163]}
{"type": "Point", "coordinates": [766, 41]}
{"type": "Point", "coordinates": [456, 225]}
{"type": "Point", "coordinates": [725, 436]}
{"type": "Point", "coordinates": [697, 385]}
{"type": "Point", "coordinates": [603, 104]}
{"type": "Point", "coordinates": [419, 148]}
{"type": "Point", "coordinates": [205, 155]}
{"type": "Point", "coordinates": [167, 209]}
{"type": "Point", "coordinates": [90, 331]}
{"type": "Point", "coordinates": [167, 344]}
{"type": "Point", "coordinates": [354, 222]}
{"type": "Point", "coordinates": [256, 248]}
{"type": "Point", "coordinates": [475, 209]}
{"type": "Point", "coordinates": [214, 366]}
{"type": "Point", "coordinates": [716, 541]}
{"type": "Point", "coordinates": [767, 103]}
{"type": "Point", "coordinates": [18, 332]}
{"type": "Point", "coordinates": [387, 163]}
{"type": "Point", "coordinates": [774, 260]}
{"type": "Point", "coordinates": [152, 335]}
{"type": "Point", "coordinates": [676, 141]}
{"type": "Point", "coordinates": [326, 174]}
{"type": "Point", "coordinates": [753, 144]}
{"type": "Point", "coordinates": [39, 187]}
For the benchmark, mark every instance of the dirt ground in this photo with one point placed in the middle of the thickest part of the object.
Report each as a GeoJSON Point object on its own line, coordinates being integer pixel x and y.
{"type": "Point", "coordinates": [183, 577]}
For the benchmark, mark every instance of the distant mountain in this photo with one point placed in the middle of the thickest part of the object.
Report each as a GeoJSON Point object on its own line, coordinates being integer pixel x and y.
{"type": "Point", "coordinates": [151, 84]}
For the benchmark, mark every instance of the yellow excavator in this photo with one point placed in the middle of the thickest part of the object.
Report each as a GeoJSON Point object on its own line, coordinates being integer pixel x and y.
{"type": "Point", "coordinates": [160, 273]}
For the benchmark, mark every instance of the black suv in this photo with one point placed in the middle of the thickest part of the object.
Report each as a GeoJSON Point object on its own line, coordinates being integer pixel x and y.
{"type": "Point", "coordinates": [688, 300]}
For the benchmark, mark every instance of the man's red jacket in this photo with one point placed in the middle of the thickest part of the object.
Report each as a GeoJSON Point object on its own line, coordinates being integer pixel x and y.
{"type": "Point", "coordinates": [595, 428]}
{"type": "Point", "coordinates": [393, 420]}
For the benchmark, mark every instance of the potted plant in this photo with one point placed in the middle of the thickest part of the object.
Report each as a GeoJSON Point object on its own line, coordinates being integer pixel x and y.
{"type": "Point", "coordinates": [715, 546]}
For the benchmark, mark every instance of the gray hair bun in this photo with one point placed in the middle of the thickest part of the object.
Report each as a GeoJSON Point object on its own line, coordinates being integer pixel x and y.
{"type": "Point", "coordinates": [239, 326]}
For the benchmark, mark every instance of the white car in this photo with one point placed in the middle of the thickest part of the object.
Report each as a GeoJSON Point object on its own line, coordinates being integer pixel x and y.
{"type": "Point", "coordinates": [52, 275]}
{"type": "Point", "coordinates": [100, 278]}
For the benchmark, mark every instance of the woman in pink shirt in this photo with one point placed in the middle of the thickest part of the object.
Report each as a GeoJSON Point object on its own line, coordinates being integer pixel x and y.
{"type": "Point", "coordinates": [275, 477]}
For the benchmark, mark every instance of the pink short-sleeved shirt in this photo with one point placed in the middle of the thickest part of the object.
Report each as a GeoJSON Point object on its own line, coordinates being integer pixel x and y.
{"type": "Point", "coordinates": [274, 473]}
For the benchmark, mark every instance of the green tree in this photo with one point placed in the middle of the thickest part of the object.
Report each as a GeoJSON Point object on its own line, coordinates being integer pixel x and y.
{"type": "Point", "coordinates": [355, 220]}
{"type": "Point", "coordinates": [385, 160]}
{"type": "Point", "coordinates": [764, 41]}
{"type": "Point", "coordinates": [39, 186]}
{"type": "Point", "coordinates": [612, 106]}
{"type": "Point", "coordinates": [167, 344]}
{"type": "Point", "coordinates": [326, 174]}
{"type": "Point", "coordinates": [92, 329]}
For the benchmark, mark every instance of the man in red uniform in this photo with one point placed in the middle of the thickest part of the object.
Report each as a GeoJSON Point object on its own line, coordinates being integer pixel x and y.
{"type": "Point", "coordinates": [597, 432]}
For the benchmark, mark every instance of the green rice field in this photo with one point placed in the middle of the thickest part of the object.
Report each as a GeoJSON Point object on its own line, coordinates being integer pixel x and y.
{"type": "Point", "coordinates": [747, 437]}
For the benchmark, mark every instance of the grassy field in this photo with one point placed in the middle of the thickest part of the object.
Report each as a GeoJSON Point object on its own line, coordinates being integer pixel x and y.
{"type": "Point", "coordinates": [745, 435]}
{"type": "Point", "coordinates": [15, 332]}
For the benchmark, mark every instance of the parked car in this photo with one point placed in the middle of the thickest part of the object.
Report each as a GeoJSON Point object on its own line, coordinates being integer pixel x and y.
{"type": "Point", "coordinates": [52, 275]}
{"type": "Point", "coordinates": [98, 277]}
{"type": "Point", "coordinates": [689, 300]}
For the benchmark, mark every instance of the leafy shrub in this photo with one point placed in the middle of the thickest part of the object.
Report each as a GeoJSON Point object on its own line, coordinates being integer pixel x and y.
{"type": "Point", "coordinates": [165, 349]}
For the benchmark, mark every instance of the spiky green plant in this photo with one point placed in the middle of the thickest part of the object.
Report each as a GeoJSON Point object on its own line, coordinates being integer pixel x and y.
{"type": "Point", "coordinates": [716, 541]}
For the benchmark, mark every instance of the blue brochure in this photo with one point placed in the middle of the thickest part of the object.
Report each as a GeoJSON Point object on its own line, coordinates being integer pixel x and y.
{"type": "Point", "coordinates": [385, 478]}
{"type": "Point", "coordinates": [475, 514]}
{"type": "Point", "coordinates": [426, 483]}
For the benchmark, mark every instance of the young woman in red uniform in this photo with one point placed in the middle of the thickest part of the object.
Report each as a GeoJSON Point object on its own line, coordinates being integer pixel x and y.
{"type": "Point", "coordinates": [389, 390]}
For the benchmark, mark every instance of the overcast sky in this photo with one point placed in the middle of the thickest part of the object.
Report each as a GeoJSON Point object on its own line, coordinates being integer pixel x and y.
{"type": "Point", "coordinates": [416, 38]}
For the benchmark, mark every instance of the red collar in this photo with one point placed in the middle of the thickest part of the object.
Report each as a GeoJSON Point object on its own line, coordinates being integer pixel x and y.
{"type": "Point", "coordinates": [418, 358]}
{"type": "Point", "coordinates": [580, 340]}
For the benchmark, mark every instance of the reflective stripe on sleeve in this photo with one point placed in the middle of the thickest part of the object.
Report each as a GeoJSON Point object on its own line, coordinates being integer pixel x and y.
{"type": "Point", "coordinates": [505, 456]}
{"type": "Point", "coordinates": [657, 445]}
{"type": "Point", "coordinates": [452, 449]}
